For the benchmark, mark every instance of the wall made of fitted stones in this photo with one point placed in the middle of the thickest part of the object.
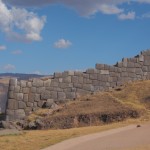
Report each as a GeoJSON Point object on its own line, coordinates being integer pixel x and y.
{"type": "Point", "coordinates": [27, 96]}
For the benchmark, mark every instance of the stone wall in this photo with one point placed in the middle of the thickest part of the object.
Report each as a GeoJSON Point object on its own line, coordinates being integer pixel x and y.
{"type": "Point", "coordinates": [27, 96]}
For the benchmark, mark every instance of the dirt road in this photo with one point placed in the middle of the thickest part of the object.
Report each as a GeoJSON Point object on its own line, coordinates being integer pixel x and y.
{"type": "Point", "coordinates": [116, 139]}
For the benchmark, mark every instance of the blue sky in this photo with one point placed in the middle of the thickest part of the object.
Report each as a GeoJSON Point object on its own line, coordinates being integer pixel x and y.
{"type": "Point", "coordinates": [47, 36]}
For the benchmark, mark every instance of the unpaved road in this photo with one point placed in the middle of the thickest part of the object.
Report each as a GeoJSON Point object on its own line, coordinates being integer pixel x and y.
{"type": "Point", "coordinates": [116, 139]}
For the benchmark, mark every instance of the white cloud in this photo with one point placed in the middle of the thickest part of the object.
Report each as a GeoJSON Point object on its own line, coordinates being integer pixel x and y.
{"type": "Point", "coordinates": [28, 24]}
{"type": "Point", "coordinates": [146, 15]}
{"type": "Point", "coordinates": [2, 47]}
{"type": "Point", "coordinates": [144, 1]}
{"type": "Point", "coordinates": [128, 16]}
{"type": "Point", "coordinates": [62, 43]}
{"type": "Point", "coordinates": [37, 72]}
{"type": "Point", "coordinates": [83, 7]}
{"type": "Point", "coordinates": [17, 52]}
{"type": "Point", "coordinates": [9, 67]}
{"type": "Point", "coordinates": [110, 9]}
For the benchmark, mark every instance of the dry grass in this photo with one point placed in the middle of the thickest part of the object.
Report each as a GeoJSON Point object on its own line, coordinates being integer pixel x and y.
{"type": "Point", "coordinates": [135, 95]}
{"type": "Point", "coordinates": [36, 140]}
{"type": "Point", "coordinates": [4, 80]}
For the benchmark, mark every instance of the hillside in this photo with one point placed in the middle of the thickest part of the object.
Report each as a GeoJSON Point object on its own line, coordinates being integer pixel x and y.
{"type": "Point", "coordinates": [20, 76]}
{"type": "Point", "coordinates": [129, 101]}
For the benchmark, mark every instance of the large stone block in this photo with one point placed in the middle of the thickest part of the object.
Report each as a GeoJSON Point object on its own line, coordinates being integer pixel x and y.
{"type": "Point", "coordinates": [130, 70]}
{"type": "Point", "coordinates": [145, 68]}
{"type": "Point", "coordinates": [31, 97]}
{"type": "Point", "coordinates": [104, 72]}
{"type": "Point", "coordinates": [13, 82]}
{"type": "Point", "coordinates": [57, 75]}
{"type": "Point", "coordinates": [137, 65]}
{"type": "Point", "coordinates": [61, 96]}
{"type": "Point", "coordinates": [19, 96]}
{"type": "Point", "coordinates": [77, 85]}
{"type": "Point", "coordinates": [74, 79]}
{"type": "Point", "coordinates": [54, 83]}
{"type": "Point", "coordinates": [12, 104]}
{"type": "Point", "coordinates": [146, 60]}
{"type": "Point", "coordinates": [10, 115]}
{"type": "Point", "coordinates": [17, 89]}
{"type": "Point", "coordinates": [40, 90]}
{"type": "Point", "coordinates": [11, 95]}
{"type": "Point", "coordinates": [33, 89]}
{"type": "Point", "coordinates": [23, 83]}
{"type": "Point", "coordinates": [88, 87]}
{"type": "Point", "coordinates": [46, 95]}
{"type": "Point", "coordinates": [67, 73]}
{"type": "Point", "coordinates": [141, 58]}
{"type": "Point", "coordinates": [65, 85]}
{"type": "Point", "coordinates": [103, 78]}
{"type": "Point", "coordinates": [67, 79]}
{"type": "Point", "coordinates": [138, 71]}
{"type": "Point", "coordinates": [29, 104]}
{"type": "Point", "coordinates": [25, 90]}
{"type": "Point", "coordinates": [130, 65]}
{"type": "Point", "coordinates": [80, 80]}
{"type": "Point", "coordinates": [47, 83]}
{"type": "Point", "coordinates": [78, 73]}
{"type": "Point", "coordinates": [145, 53]}
{"type": "Point", "coordinates": [53, 95]}
{"type": "Point", "coordinates": [22, 105]}
{"type": "Point", "coordinates": [124, 74]}
{"type": "Point", "coordinates": [95, 82]}
{"type": "Point", "coordinates": [93, 76]}
{"type": "Point", "coordinates": [70, 95]}
{"type": "Point", "coordinates": [29, 84]}
{"type": "Point", "coordinates": [37, 97]}
{"type": "Point", "coordinates": [11, 88]}
{"type": "Point", "coordinates": [25, 97]}
{"type": "Point", "coordinates": [20, 114]}
{"type": "Point", "coordinates": [92, 71]}
{"type": "Point", "coordinates": [81, 92]}
{"type": "Point", "coordinates": [37, 83]}
{"type": "Point", "coordinates": [87, 81]}
{"type": "Point", "coordinates": [99, 66]}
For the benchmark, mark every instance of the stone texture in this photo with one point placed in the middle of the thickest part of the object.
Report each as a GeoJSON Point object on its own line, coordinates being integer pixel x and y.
{"type": "Point", "coordinates": [19, 114]}
{"type": "Point", "coordinates": [61, 96]}
{"type": "Point", "coordinates": [70, 95]}
{"type": "Point", "coordinates": [26, 96]}
{"type": "Point", "coordinates": [13, 82]}
{"type": "Point", "coordinates": [19, 96]}
{"type": "Point", "coordinates": [46, 95]}
{"type": "Point", "coordinates": [23, 83]}
{"type": "Point", "coordinates": [37, 83]}
{"type": "Point", "coordinates": [22, 105]}
{"type": "Point", "coordinates": [47, 83]}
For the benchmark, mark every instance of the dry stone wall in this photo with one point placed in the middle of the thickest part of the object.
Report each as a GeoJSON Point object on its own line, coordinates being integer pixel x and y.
{"type": "Point", "coordinates": [27, 96]}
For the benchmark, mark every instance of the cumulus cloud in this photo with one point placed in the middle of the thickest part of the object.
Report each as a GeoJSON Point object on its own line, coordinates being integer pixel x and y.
{"type": "Point", "coordinates": [62, 43]}
{"type": "Point", "coordinates": [128, 16]}
{"type": "Point", "coordinates": [2, 47]}
{"type": "Point", "coordinates": [110, 9]}
{"type": "Point", "coordinates": [28, 24]}
{"type": "Point", "coordinates": [17, 52]}
{"type": "Point", "coordinates": [9, 67]}
{"type": "Point", "coordinates": [37, 72]}
{"type": "Point", "coordinates": [83, 7]}
{"type": "Point", "coordinates": [144, 1]}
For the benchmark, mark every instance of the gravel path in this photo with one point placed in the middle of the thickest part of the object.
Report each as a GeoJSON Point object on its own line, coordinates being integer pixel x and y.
{"type": "Point", "coordinates": [116, 139]}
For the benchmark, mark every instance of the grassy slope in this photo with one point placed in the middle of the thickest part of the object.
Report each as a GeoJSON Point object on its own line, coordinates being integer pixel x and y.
{"type": "Point", "coordinates": [135, 95]}
{"type": "Point", "coordinates": [125, 102]}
